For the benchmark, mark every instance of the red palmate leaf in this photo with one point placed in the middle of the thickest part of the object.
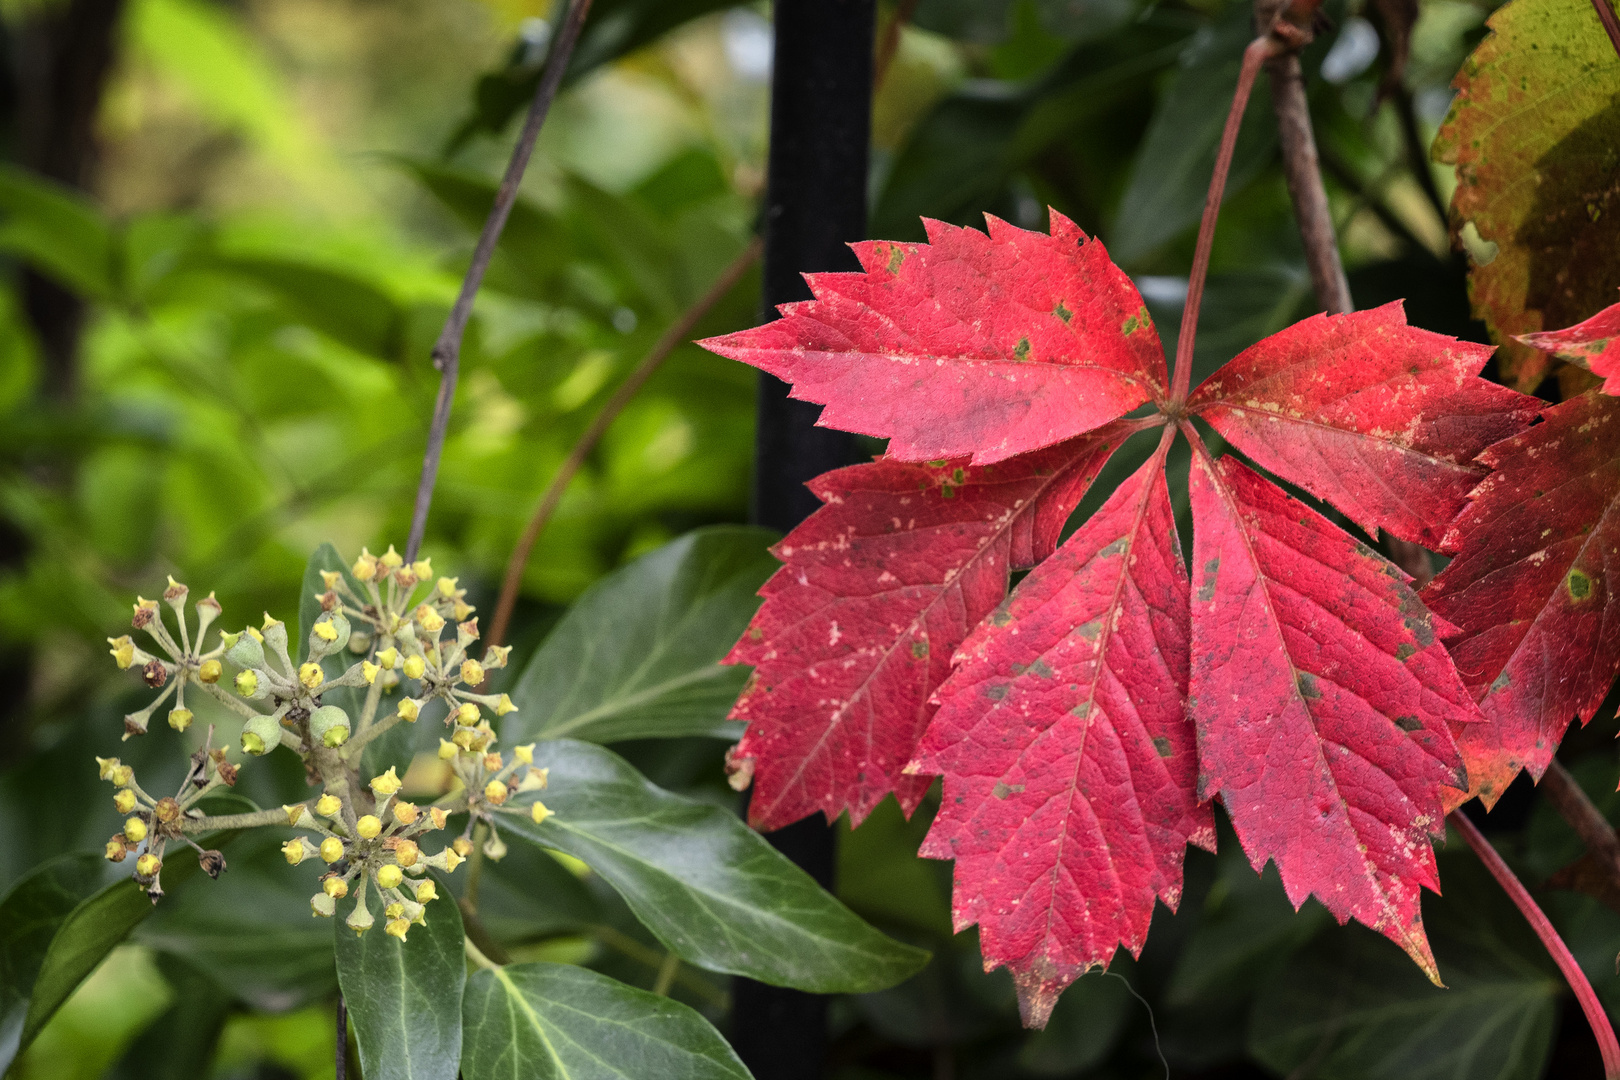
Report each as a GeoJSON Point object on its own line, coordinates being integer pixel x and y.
{"type": "Point", "coordinates": [1323, 702]}
{"type": "Point", "coordinates": [1593, 344]}
{"type": "Point", "coordinates": [1379, 418]}
{"type": "Point", "coordinates": [1538, 547]}
{"type": "Point", "coordinates": [879, 588]}
{"type": "Point", "coordinates": [1089, 720]}
{"type": "Point", "coordinates": [1068, 758]}
{"type": "Point", "coordinates": [976, 345]}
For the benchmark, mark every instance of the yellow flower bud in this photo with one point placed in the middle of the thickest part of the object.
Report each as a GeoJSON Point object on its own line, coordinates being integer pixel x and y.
{"type": "Point", "coordinates": [397, 928]}
{"type": "Point", "coordinates": [409, 710]}
{"type": "Point", "coordinates": [254, 634]}
{"type": "Point", "coordinates": [335, 887]}
{"type": "Point", "coordinates": [368, 827]}
{"type": "Point", "coordinates": [134, 830]}
{"type": "Point", "coordinates": [210, 671]}
{"type": "Point", "coordinates": [524, 753]}
{"type": "Point", "coordinates": [464, 738]}
{"type": "Point", "coordinates": [461, 609]}
{"type": "Point", "coordinates": [180, 719]}
{"type": "Point", "coordinates": [406, 853]}
{"type": "Point", "coordinates": [296, 850]}
{"type": "Point", "coordinates": [461, 846]}
{"type": "Point", "coordinates": [148, 865]}
{"type": "Point", "coordinates": [124, 800]}
{"type": "Point", "coordinates": [365, 567]}
{"type": "Point", "coordinates": [115, 850]}
{"type": "Point", "coordinates": [472, 672]}
{"type": "Point", "coordinates": [325, 630]}
{"type": "Point", "coordinates": [447, 750]}
{"type": "Point", "coordinates": [428, 619]}
{"type": "Point", "coordinates": [423, 569]}
{"type": "Point", "coordinates": [454, 858]}
{"type": "Point", "coordinates": [107, 765]}
{"type": "Point", "coordinates": [388, 658]}
{"type": "Point", "coordinates": [534, 779]}
{"type": "Point", "coordinates": [496, 656]}
{"type": "Point", "coordinates": [331, 578]}
{"type": "Point", "coordinates": [447, 587]}
{"type": "Point", "coordinates": [247, 683]}
{"type": "Point", "coordinates": [406, 813]}
{"type": "Point", "coordinates": [294, 811]}
{"type": "Point", "coordinates": [166, 810]}
{"type": "Point", "coordinates": [414, 667]}
{"type": "Point", "coordinates": [311, 675]}
{"type": "Point", "coordinates": [368, 671]}
{"type": "Point", "coordinates": [495, 792]}
{"type": "Point", "coordinates": [504, 706]}
{"type": "Point", "coordinates": [328, 805]}
{"type": "Point", "coordinates": [122, 651]}
{"type": "Point", "coordinates": [395, 910]}
{"type": "Point", "coordinates": [123, 776]}
{"type": "Point", "coordinates": [387, 783]}
{"type": "Point", "coordinates": [467, 714]}
{"type": "Point", "coordinates": [426, 891]}
{"type": "Point", "coordinates": [392, 559]}
{"type": "Point", "coordinates": [439, 816]}
{"type": "Point", "coordinates": [331, 849]}
{"type": "Point", "coordinates": [539, 812]}
{"type": "Point", "coordinates": [493, 762]}
{"type": "Point", "coordinates": [389, 877]}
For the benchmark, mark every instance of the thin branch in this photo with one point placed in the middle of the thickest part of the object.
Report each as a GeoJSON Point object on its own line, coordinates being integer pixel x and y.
{"type": "Point", "coordinates": [671, 339]}
{"type": "Point", "coordinates": [447, 350]}
{"type": "Point", "coordinates": [1257, 53]}
{"type": "Point", "coordinates": [342, 1038]}
{"type": "Point", "coordinates": [1611, 25]}
{"type": "Point", "coordinates": [195, 825]}
{"type": "Point", "coordinates": [1587, 820]}
{"type": "Point", "coordinates": [1371, 196]}
{"type": "Point", "coordinates": [1590, 1005]}
{"type": "Point", "coordinates": [1417, 151]}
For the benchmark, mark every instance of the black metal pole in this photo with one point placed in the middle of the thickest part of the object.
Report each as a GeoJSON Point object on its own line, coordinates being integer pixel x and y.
{"type": "Point", "coordinates": [815, 204]}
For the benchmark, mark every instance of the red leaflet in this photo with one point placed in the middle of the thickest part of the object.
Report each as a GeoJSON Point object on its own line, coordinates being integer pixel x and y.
{"type": "Point", "coordinates": [1592, 344]}
{"type": "Point", "coordinates": [1323, 703]}
{"type": "Point", "coordinates": [879, 588]}
{"type": "Point", "coordinates": [1381, 419]}
{"type": "Point", "coordinates": [1539, 640]}
{"type": "Point", "coordinates": [969, 345]}
{"type": "Point", "coordinates": [1068, 757]}
{"type": "Point", "coordinates": [1088, 722]}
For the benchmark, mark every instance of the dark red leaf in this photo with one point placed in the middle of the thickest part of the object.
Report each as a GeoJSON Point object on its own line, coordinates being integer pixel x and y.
{"type": "Point", "coordinates": [1593, 344]}
{"type": "Point", "coordinates": [976, 345]}
{"type": "Point", "coordinates": [879, 588]}
{"type": "Point", "coordinates": [1069, 763]}
{"type": "Point", "coordinates": [1324, 703]}
{"type": "Point", "coordinates": [1537, 548]}
{"type": "Point", "coordinates": [1379, 418]}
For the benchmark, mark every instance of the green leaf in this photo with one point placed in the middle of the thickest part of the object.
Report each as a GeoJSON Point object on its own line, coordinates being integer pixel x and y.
{"type": "Point", "coordinates": [712, 890]}
{"type": "Point", "coordinates": [179, 1044]}
{"type": "Point", "coordinates": [59, 231]}
{"type": "Point", "coordinates": [1355, 1008]}
{"type": "Point", "coordinates": [339, 305]}
{"type": "Point", "coordinates": [1170, 177]}
{"type": "Point", "coordinates": [30, 915]}
{"type": "Point", "coordinates": [557, 1022]}
{"type": "Point", "coordinates": [638, 655]}
{"type": "Point", "coordinates": [92, 930]}
{"type": "Point", "coordinates": [404, 998]}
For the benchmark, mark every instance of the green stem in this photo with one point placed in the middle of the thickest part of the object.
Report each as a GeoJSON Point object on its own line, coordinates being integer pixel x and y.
{"type": "Point", "coordinates": [351, 750]}
{"type": "Point", "coordinates": [235, 704]}
{"type": "Point", "coordinates": [254, 820]}
{"type": "Point", "coordinates": [666, 974]}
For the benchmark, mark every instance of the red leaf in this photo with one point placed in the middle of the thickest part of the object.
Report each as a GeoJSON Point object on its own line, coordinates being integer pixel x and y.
{"type": "Point", "coordinates": [857, 630]}
{"type": "Point", "coordinates": [1593, 344]}
{"type": "Point", "coordinates": [977, 345]}
{"type": "Point", "coordinates": [1379, 418]}
{"type": "Point", "coordinates": [1323, 702]}
{"type": "Point", "coordinates": [1540, 637]}
{"type": "Point", "coordinates": [1069, 763]}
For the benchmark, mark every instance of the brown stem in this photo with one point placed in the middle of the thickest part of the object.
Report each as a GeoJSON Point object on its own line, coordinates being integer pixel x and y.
{"type": "Point", "coordinates": [1611, 25]}
{"type": "Point", "coordinates": [1304, 174]}
{"type": "Point", "coordinates": [1259, 50]}
{"type": "Point", "coordinates": [1590, 1005]}
{"type": "Point", "coordinates": [1587, 820]}
{"type": "Point", "coordinates": [447, 350]}
{"type": "Point", "coordinates": [672, 338]}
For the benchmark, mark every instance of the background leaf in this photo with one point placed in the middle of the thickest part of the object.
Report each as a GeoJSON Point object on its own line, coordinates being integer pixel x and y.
{"type": "Point", "coordinates": [30, 915]}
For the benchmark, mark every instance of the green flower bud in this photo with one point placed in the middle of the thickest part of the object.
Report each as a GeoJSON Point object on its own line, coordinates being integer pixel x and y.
{"type": "Point", "coordinates": [261, 735]}
{"type": "Point", "coordinates": [275, 635]}
{"type": "Point", "coordinates": [322, 906]}
{"type": "Point", "coordinates": [329, 635]}
{"type": "Point", "coordinates": [330, 725]}
{"type": "Point", "coordinates": [246, 653]}
{"type": "Point", "coordinates": [360, 919]}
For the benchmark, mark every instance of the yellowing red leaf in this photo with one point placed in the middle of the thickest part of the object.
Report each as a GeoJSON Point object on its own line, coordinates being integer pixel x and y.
{"type": "Point", "coordinates": [1529, 588]}
{"type": "Point", "coordinates": [1323, 702]}
{"type": "Point", "coordinates": [976, 345]}
{"type": "Point", "coordinates": [879, 588]}
{"type": "Point", "coordinates": [1381, 419]}
{"type": "Point", "coordinates": [1068, 760]}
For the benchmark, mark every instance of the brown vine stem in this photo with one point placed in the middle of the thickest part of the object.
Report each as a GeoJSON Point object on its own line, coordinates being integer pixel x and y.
{"type": "Point", "coordinates": [1590, 1005]}
{"type": "Point", "coordinates": [672, 338]}
{"type": "Point", "coordinates": [1611, 25]}
{"type": "Point", "coordinates": [1258, 52]}
{"type": "Point", "coordinates": [447, 350]}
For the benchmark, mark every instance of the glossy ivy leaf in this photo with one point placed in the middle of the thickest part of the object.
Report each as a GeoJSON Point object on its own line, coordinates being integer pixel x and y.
{"type": "Point", "coordinates": [404, 997]}
{"type": "Point", "coordinates": [32, 912]}
{"type": "Point", "coordinates": [1532, 132]}
{"type": "Point", "coordinates": [1044, 336]}
{"type": "Point", "coordinates": [1320, 704]}
{"type": "Point", "coordinates": [1591, 344]}
{"type": "Point", "coordinates": [713, 891]}
{"type": "Point", "coordinates": [1529, 589]}
{"type": "Point", "coordinates": [879, 588]}
{"type": "Point", "coordinates": [558, 1022]}
{"type": "Point", "coordinates": [638, 655]}
{"type": "Point", "coordinates": [1348, 1009]}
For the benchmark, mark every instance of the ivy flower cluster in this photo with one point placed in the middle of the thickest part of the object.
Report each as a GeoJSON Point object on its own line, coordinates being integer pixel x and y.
{"type": "Point", "coordinates": [407, 635]}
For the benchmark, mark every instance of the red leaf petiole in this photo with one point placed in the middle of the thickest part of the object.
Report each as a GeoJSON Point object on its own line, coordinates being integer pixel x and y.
{"type": "Point", "coordinates": [1590, 1005]}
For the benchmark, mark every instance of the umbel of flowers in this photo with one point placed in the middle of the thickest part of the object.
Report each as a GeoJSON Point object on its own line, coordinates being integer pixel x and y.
{"type": "Point", "coordinates": [408, 635]}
